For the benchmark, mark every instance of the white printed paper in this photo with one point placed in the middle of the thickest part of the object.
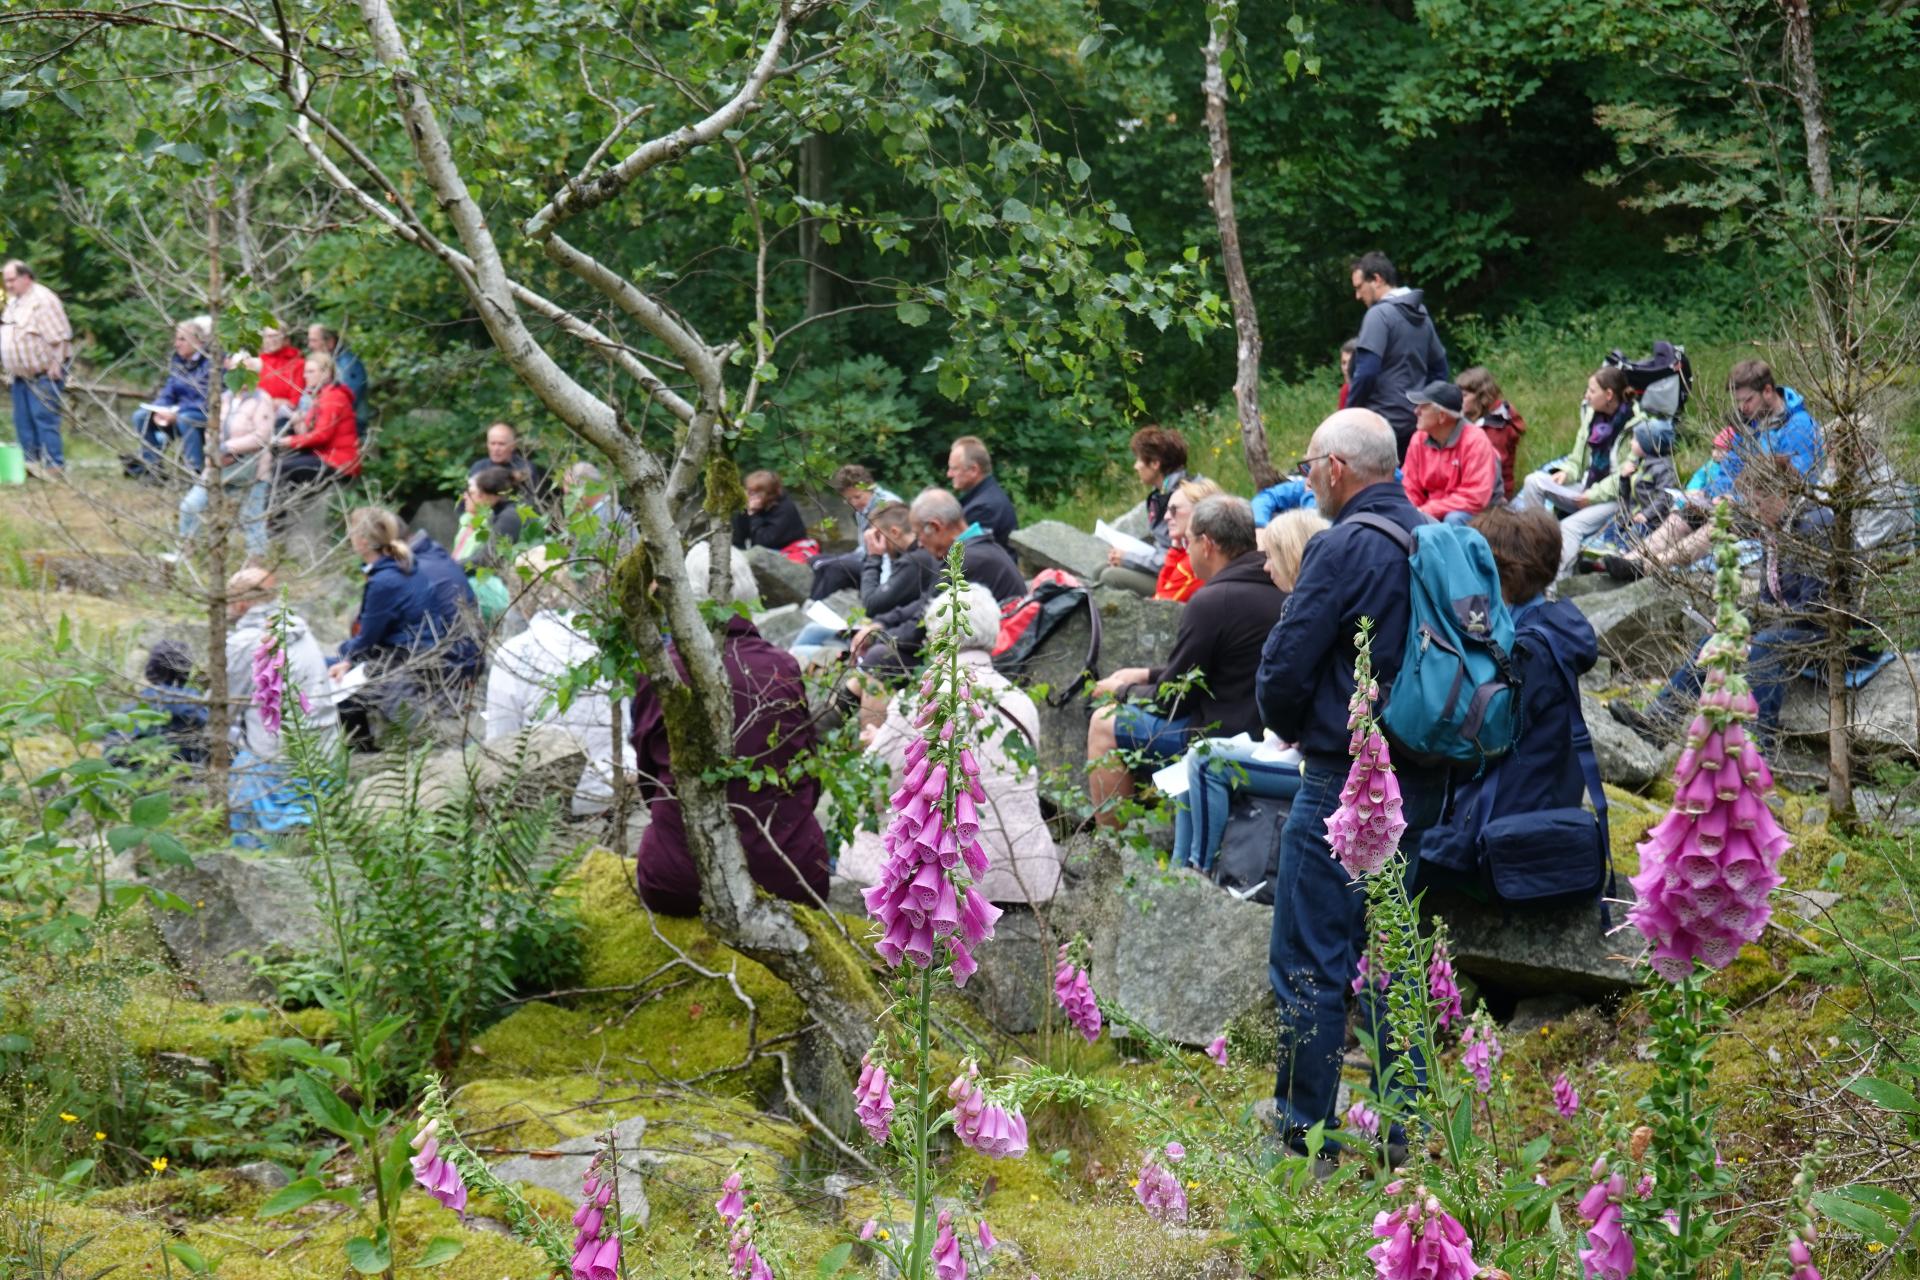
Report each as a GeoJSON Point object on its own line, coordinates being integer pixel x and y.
{"type": "Point", "coordinates": [1125, 542]}
{"type": "Point", "coordinates": [1172, 780]}
{"type": "Point", "coordinates": [349, 684]}
{"type": "Point", "coordinates": [820, 615]}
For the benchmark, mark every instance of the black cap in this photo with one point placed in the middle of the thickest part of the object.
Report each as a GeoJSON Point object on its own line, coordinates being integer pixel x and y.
{"type": "Point", "coordinates": [1441, 395]}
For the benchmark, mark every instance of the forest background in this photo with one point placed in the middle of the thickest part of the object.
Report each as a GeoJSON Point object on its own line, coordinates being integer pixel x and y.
{"type": "Point", "coordinates": [1560, 178]}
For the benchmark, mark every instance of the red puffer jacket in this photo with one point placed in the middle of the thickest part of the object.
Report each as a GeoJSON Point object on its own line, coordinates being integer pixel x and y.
{"type": "Point", "coordinates": [330, 431]}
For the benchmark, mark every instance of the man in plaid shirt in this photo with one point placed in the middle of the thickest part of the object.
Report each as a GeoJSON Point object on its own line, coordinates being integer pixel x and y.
{"type": "Point", "coordinates": [36, 345]}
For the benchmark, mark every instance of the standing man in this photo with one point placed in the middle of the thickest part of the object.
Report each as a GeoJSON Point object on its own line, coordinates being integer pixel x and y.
{"type": "Point", "coordinates": [970, 468]}
{"type": "Point", "coordinates": [1398, 350]}
{"type": "Point", "coordinates": [36, 346]}
{"type": "Point", "coordinates": [1349, 571]}
{"type": "Point", "coordinates": [347, 370]}
{"type": "Point", "coordinates": [1452, 470]}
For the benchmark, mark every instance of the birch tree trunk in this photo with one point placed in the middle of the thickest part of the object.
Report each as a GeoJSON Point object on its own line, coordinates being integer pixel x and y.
{"type": "Point", "coordinates": [1246, 322]}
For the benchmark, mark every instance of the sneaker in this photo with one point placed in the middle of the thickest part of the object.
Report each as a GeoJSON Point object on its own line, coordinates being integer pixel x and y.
{"type": "Point", "coordinates": [36, 471]}
{"type": "Point", "coordinates": [1621, 569]}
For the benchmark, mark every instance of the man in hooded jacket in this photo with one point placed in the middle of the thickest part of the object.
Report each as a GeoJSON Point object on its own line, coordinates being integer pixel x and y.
{"type": "Point", "coordinates": [1398, 350]}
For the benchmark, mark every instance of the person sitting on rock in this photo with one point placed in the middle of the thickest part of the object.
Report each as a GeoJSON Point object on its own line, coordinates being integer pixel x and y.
{"type": "Point", "coordinates": [399, 633]}
{"type": "Point", "coordinates": [970, 471]}
{"type": "Point", "coordinates": [1553, 645]}
{"type": "Point", "coordinates": [1024, 862]}
{"type": "Point", "coordinates": [239, 466]}
{"type": "Point", "coordinates": [282, 369]}
{"type": "Point", "coordinates": [1796, 535]}
{"type": "Point", "coordinates": [1219, 768]}
{"type": "Point", "coordinates": [1486, 408]}
{"type": "Point", "coordinates": [169, 691]}
{"type": "Point", "coordinates": [896, 573]}
{"type": "Point", "coordinates": [891, 640]}
{"type": "Point", "coordinates": [1206, 683]}
{"type": "Point", "coordinates": [1604, 414]}
{"type": "Point", "coordinates": [179, 408]}
{"type": "Point", "coordinates": [774, 809]}
{"type": "Point", "coordinates": [527, 672]}
{"type": "Point", "coordinates": [1160, 460]}
{"type": "Point", "coordinates": [263, 798]}
{"type": "Point", "coordinates": [772, 520]}
{"type": "Point", "coordinates": [1177, 580]}
{"type": "Point", "coordinates": [324, 443]}
{"type": "Point", "coordinates": [503, 450]}
{"type": "Point", "coordinates": [863, 496]}
{"type": "Point", "coordinates": [1451, 471]}
{"type": "Point", "coordinates": [1647, 482]}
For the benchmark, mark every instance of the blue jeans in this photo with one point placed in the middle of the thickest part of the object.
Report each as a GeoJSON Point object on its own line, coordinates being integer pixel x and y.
{"type": "Point", "coordinates": [1319, 934]}
{"type": "Point", "coordinates": [36, 419]}
{"type": "Point", "coordinates": [1214, 773]}
{"type": "Point", "coordinates": [813, 640]}
{"type": "Point", "coordinates": [1775, 656]}
{"type": "Point", "coordinates": [253, 515]}
{"type": "Point", "coordinates": [190, 427]}
{"type": "Point", "coordinates": [1137, 729]}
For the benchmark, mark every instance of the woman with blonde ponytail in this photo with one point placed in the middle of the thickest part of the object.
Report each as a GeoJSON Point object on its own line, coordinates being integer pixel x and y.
{"type": "Point", "coordinates": [397, 617]}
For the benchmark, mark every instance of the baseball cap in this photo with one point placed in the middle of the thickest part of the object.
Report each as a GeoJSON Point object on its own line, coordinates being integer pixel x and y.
{"type": "Point", "coordinates": [1441, 395]}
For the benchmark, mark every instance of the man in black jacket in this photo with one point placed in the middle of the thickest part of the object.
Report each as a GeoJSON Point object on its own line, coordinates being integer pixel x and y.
{"type": "Point", "coordinates": [939, 521]}
{"type": "Point", "coordinates": [1206, 684]}
{"type": "Point", "coordinates": [1349, 572]}
{"type": "Point", "coordinates": [897, 569]}
{"type": "Point", "coordinates": [970, 468]}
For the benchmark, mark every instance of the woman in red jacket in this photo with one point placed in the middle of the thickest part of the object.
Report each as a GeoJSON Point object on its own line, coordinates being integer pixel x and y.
{"type": "Point", "coordinates": [278, 364]}
{"type": "Point", "coordinates": [325, 443]}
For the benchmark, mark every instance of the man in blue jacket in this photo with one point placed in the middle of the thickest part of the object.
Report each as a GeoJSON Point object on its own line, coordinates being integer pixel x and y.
{"type": "Point", "coordinates": [179, 408]}
{"type": "Point", "coordinates": [1306, 677]}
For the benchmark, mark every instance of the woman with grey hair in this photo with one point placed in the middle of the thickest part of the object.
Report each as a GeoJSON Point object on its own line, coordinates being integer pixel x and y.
{"type": "Point", "coordinates": [1024, 862]}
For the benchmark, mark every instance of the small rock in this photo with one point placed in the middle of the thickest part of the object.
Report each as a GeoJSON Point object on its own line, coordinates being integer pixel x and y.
{"type": "Point", "coordinates": [780, 580]}
{"type": "Point", "coordinates": [1538, 950]}
{"type": "Point", "coordinates": [563, 1167]}
{"type": "Point", "coordinates": [838, 1186]}
{"type": "Point", "coordinates": [1534, 1012]}
{"type": "Point", "coordinates": [1882, 716]}
{"type": "Point", "coordinates": [1191, 958]}
{"type": "Point", "coordinates": [1624, 757]}
{"type": "Point", "coordinates": [1133, 521]}
{"type": "Point", "coordinates": [263, 1174]}
{"type": "Point", "coordinates": [1645, 629]}
{"type": "Point", "coordinates": [240, 906]}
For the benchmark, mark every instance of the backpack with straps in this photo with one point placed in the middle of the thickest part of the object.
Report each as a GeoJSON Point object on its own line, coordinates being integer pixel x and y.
{"type": "Point", "coordinates": [1454, 698]}
{"type": "Point", "coordinates": [1052, 597]}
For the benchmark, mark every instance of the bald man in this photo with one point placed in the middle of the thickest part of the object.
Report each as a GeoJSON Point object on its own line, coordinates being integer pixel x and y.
{"type": "Point", "coordinates": [1350, 571]}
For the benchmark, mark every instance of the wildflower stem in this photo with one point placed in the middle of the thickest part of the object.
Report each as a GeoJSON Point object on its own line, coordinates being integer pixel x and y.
{"type": "Point", "coordinates": [922, 1191]}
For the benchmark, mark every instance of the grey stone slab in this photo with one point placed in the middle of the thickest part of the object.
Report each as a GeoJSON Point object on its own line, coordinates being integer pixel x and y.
{"type": "Point", "coordinates": [562, 1168]}
{"type": "Point", "coordinates": [1645, 628]}
{"type": "Point", "coordinates": [1881, 714]}
{"type": "Point", "coordinates": [780, 580]}
{"type": "Point", "coordinates": [1190, 958]}
{"type": "Point", "coordinates": [1543, 950]}
{"type": "Point", "coordinates": [239, 906]}
{"type": "Point", "coordinates": [1054, 544]}
{"type": "Point", "coordinates": [1625, 758]}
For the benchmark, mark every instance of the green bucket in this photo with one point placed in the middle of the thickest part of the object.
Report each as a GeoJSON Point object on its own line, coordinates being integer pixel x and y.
{"type": "Point", "coordinates": [13, 464]}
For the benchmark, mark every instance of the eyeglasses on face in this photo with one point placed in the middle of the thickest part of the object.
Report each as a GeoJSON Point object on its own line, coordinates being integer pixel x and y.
{"type": "Point", "coordinates": [1306, 464]}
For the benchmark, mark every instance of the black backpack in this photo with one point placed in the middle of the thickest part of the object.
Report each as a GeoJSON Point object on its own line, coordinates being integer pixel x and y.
{"type": "Point", "coordinates": [1249, 853]}
{"type": "Point", "coordinates": [1027, 622]}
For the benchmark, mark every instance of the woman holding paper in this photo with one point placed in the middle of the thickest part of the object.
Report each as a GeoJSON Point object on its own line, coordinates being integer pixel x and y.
{"type": "Point", "coordinates": [1160, 460]}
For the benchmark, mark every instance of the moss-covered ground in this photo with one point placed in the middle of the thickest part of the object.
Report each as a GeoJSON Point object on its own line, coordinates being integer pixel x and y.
{"type": "Point", "coordinates": [647, 1034]}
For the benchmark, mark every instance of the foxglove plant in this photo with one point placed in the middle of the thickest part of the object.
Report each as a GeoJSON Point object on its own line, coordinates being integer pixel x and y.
{"type": "Point", "coordinates": [981, 1123]}
{"type": "Point", "coordinates": [743, 1257]}
{"type": "Point", "coordinates": [1218, 1051]}
{"type": "Point", "coordinates": [270, 678]}
{"type": "Point", "coordinates": [1480, 1051]}
{"type": "Point", "coordinates": [1364, 832]}
{"type": "Point", "coordinates": [438, 1176]}
{"type": "Point", "coordinates": [1074, 991]}
{"type": "Point", "coordinates": [1421, 1241]}
{"type": "Point", "coordinates": [1566, 1098]}
{"type": "Point", "coordinates": [1442, 989]}
{"type": "Point", "coordinates": [1158, 1188]}
{"type": "Point", "coordinates": [596, 1242]}
{"type": "Point", "coordinates": [873, 1100]}
{"type": "Point", "coordinates": [1707, 871]}
{"type": "Point", "coordinates": [1609, 1253]}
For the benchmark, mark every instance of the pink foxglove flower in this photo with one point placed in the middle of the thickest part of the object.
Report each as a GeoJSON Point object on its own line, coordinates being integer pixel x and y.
{"type": "Point", "coordinates": [1709, 868]}
{"type": "Point", "coordinates": [1480, 1051]}
{"type": "Point", "coordinates": [1421, 1241]}
{"type": "Point", "coordinates": [1364, 832]}
{"type": "Point", "coordinates": [1218, 1051]}
{"type": "Point", "coordinates": [596, 1240]}
{"type": "Point", "coordinates": [983, 1124]}
{"type": "Point", "coordinates": [1442, 989]}
{"type": "Point", "coordinates": [873, 1099]}
{"type": "Point", "coordinates": [925, 902]}
{"type": "Point", "coordinates": [987, 1243]}
{"type": "Point", "coordinates": [1566, 1098]}
{"type": "Point", "coordinates": [1800, 1253]}
{"type": "Point", "coordinates": [948, 1262]}
{"type": "Point", "coordinates": [732, 1205]}
{"type": "Point", "coordinates": [868, 1228]}
{"type": "Point", "coordinates": [270, 682]}
{"type": "Point", "coordinates": [1158, 1189]}
{"type": "Point", "coordinates": [1075, 994]}
{"type": "Point", "coordinates": [436, 1174]}
{"type": "Point", "coordinates": [1363, 1120]}
{"type": "Point", "coordinates": [1609, 1253]}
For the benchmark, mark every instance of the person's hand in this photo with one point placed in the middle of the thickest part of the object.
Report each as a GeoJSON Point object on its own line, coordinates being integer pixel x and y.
{"type": "Point", "coordinates": [874, 543]}
{"type": "Point", "coordinates": [1630, 466]}
{"type": "Point", "coordinates": [338, 671]}
{"type": "Point", "coordinates": [1558, 477]}
{"type": "Point", "coordinates": [862, 638]}
{"type": "Point", "coordinates": [227, 459]}
{"type": "Point", "coordinates": [1113, 555]}
{"type": "Point", "coordinates": [868, 732]}
{"type": "Point", "coordinates": [1582, 501]}
{"type": "Point", "coordinates": [166, 417]}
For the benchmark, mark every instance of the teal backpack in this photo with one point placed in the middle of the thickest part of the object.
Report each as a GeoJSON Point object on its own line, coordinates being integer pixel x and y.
{"type": "Point", "coordinates": [1455, 697]}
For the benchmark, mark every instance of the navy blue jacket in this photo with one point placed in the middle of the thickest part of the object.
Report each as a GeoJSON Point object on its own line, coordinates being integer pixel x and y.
{"type": "Point", "coordinates": [987, 505]}
{"type": "Point", "coordinates": [1306, 666]}
{"type": "Point", "coordinates": [1542, 772]}
{"type": "Point", "coordinates": [186, 386]}
{"type": "Point", "coordinates": [396, 611]}
{"type": "Point", "coordinates": [453, 605]}
{"type": "Point", "coordinates": [352, 374]}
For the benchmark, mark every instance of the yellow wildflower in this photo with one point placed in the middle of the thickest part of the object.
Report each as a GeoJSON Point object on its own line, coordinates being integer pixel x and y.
{"type": "Point", "coordinates": [98, 1136]}
{"type": "Point", "coordinates": [67, 1117]}
{"type": "Point", "coordinates": [160, 1164]}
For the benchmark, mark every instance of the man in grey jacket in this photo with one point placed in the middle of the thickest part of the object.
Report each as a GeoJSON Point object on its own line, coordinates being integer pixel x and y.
{"type": "Point", "coordinates": [1398, 350]}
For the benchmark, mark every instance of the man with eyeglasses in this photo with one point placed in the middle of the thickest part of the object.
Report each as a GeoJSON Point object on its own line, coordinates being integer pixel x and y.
{"type": "Point", "coordinates": [938, 521]}
{"type": "Point", "coordinates": [1349, 572]}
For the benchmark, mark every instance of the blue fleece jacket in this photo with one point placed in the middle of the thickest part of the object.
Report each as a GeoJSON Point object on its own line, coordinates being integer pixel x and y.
{"type": "Point", "coordinates": [186, 386]}
{"type": "Point", "coordinates": [1792, 432]}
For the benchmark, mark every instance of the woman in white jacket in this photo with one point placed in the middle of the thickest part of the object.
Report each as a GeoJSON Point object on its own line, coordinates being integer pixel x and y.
{"type": "Point", "coordinates": [1024, 862]}
{"type": "Point", "coordinates": [261, 795]}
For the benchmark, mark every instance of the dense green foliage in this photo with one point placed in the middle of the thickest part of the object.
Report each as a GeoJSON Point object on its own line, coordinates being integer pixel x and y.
{"type": "Point", "coordinates": [1547, 161]}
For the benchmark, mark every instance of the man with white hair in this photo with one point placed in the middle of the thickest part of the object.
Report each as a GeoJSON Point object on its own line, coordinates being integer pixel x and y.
{"type": "Point", "coordinates": [1348, 572]}
{"type": "Point", "coordinates": [939, 521]}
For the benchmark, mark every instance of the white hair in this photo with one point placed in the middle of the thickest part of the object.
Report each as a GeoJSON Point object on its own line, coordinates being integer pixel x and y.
{"type": "Point", "coordinates": [978, 623]}
{"type": "Point", "coordinates": [201, 327]}
{"type": "Point", "coordinates": [1362, 439]}
{"type": "Point", "coordinates": [939, 506]}
{"type": "Point", "coordinates": [700, 561]}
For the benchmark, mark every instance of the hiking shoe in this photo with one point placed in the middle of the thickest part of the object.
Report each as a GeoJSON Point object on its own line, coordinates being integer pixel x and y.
{"type": "Point", "coordinates": [36, 471]}
{"type": "Point", "coordinates": [1621, 569]}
